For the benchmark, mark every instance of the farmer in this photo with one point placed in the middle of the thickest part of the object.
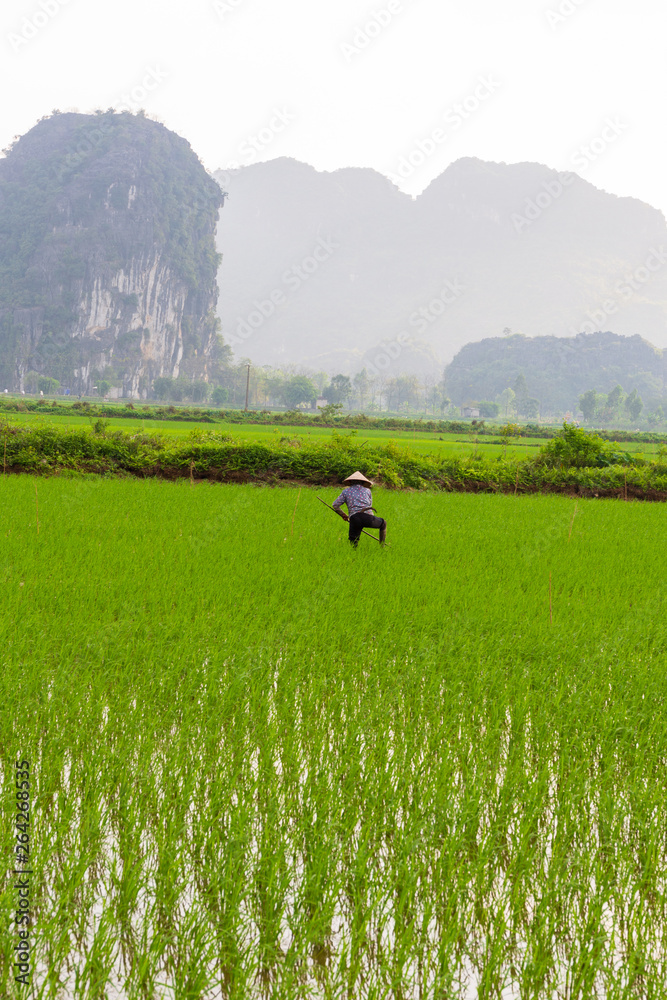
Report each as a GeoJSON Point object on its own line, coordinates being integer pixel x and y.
{"type": "Point", "coordinates": [359, 501]}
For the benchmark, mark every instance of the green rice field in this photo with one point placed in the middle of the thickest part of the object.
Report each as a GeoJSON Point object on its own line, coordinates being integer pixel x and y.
{"type": "Point", "coordinates": [266, 765]}
{"type": "Point", "coordinates": [420, 442]}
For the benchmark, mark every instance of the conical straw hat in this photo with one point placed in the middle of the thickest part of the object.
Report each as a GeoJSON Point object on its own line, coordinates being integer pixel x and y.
{"type": "Point", "coordinates": [357, 477]}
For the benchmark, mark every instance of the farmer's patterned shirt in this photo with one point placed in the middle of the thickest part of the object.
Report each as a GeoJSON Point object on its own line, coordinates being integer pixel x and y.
{"type": "Point", "coordinates": [357, 498]}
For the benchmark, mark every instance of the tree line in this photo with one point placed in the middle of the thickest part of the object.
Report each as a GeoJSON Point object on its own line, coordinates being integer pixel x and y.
{"type": "Point", "coordinates": [616, 407]}
{"type": "Point", "coordinates": [266, 387]}
{"type": "Point", "coordinates": [295, 388]}
{"type": "Point", "coordinates": [291, 387]}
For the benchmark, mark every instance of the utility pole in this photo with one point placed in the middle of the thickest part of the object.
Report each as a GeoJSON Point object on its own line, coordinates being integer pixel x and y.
{"type": "Point", "coordinates": [247, 388]}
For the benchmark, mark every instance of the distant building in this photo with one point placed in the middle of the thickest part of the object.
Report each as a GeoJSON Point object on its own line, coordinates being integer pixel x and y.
{"type": "Point", "coordinates": [470, 411]}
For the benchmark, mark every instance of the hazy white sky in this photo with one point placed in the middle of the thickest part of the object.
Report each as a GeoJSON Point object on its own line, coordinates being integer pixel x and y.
{"type": "Point", "coordinates": [404, 86]}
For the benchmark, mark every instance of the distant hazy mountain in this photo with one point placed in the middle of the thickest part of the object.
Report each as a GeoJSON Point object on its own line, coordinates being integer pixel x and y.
{"type": "Point", "coordinates": [557, 370]}
{"type": "Point", "coordinates": [337, 270]}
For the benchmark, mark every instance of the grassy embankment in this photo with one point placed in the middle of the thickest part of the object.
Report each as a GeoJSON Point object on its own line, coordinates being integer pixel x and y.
{"type": "Point", "coordinates": [146, 413]}
{"type": "Point", "coordinates": [323, 456]}
{"type": "Point", "coordinates": [423, 442]}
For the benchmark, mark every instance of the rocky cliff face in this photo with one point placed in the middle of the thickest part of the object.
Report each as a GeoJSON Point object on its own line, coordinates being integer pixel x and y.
{"type": "Point", "coordinates": [107, 255]}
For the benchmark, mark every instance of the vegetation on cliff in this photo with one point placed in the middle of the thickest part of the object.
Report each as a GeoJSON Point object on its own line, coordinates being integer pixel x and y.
{"type": "Point", "coordinates": [89, 204]}
{"type": "Point", "coordinates": [93, 161]}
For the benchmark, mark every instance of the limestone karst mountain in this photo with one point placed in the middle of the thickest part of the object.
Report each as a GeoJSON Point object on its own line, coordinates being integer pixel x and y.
{"type": "Point", "coordinates": [107, 254]}
{"type": "Point", "coordinates": [340, 270]}
{"type": "Point", "coordinates": [108, 262]}
{"type": "Point", "coordinates": [557, 370]}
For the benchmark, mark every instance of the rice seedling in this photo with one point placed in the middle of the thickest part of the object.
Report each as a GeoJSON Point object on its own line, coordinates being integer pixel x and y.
{"type": "Point", "coordinates": [267, 765]}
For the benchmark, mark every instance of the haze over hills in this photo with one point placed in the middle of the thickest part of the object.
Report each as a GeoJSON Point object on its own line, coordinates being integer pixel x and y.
{"type": "Point", "coordinates": [340, 270]}
{"type": "Point", "coordinates": [557, 370]}
{"type": "Point", "coordinates": [108, 267]}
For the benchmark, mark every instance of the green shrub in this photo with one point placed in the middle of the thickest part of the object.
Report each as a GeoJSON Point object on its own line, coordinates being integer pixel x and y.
{"type": "Point", "coordinates": [220, 395]}
{"type": "Point", "coordinates": [573, 447]}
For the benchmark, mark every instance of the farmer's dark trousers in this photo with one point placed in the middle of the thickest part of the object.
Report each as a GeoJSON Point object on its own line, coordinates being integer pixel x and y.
{"type": "Point", "coordinates": [365, 520]}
